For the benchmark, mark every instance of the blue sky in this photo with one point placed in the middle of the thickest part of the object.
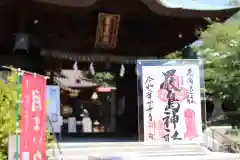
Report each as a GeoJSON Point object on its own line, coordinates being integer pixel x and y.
{"type": "Point", "coordinates": [216, 2]}
{"type": "Point", "coordinates": [198, 4]}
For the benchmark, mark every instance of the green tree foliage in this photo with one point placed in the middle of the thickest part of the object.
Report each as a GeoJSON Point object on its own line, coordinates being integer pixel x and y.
{"type": "Point", "coordinates": [174, 55]}
{"type": "Point", "coordinates": [8, 99]}
{"type": "Point", "coordinates": [103, 78]}
{"type": "Point", "coordinates": [221, 52]}
{"type": "Point", "coordinates": [8, 95]}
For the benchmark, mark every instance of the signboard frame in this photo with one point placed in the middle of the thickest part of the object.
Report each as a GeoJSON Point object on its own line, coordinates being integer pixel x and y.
{"type": "Point", "coordinates": [166, 63]}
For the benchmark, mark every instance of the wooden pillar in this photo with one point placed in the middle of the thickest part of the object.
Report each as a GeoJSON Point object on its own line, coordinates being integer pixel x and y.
{"type": "Point", "coordinates": [113, 112]}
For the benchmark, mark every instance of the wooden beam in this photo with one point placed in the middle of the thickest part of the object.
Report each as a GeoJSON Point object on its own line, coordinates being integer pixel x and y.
{"type": "Point", "coordinates": [94, 57]}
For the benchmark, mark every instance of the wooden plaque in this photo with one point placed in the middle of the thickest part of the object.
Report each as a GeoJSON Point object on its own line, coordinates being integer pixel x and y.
{"type": "Point", "coordinates": [107, 30]}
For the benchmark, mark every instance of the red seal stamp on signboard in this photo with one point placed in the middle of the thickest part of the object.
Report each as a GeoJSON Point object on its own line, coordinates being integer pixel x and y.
{"type": "Point", "coordinates": [180, 94]}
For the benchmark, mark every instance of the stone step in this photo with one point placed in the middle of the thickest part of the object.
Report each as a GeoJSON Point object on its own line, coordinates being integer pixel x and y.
{"type": "Point", "coordinates": [126, 149]}
{"type": "Point", "coordinates": [218, 156]}
{"type": "Point", "coordinates": [137, 150]}
{"type": "Point", "coordinates": [119, 144]}
{"type": "Point", "coordinates": [133, 148]}
{"type": "Point", "coordinates": [146, 153]}
{"type": "Point", "coordinates": [129, 147]}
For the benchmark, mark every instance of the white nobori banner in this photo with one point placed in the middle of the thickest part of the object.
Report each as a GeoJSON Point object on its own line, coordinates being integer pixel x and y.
{"type": "Point", "coordinates": [53, 109]}
{"type": "Point", "coordinates": [171, 102]}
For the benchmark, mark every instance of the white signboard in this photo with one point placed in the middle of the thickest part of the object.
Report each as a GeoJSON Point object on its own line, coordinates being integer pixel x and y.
{"type": "Point", "coordinates": [171, 102]}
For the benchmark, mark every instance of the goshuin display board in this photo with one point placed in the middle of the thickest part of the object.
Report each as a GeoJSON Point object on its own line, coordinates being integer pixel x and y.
{"type": "Point", "coordinates": [170, 100]}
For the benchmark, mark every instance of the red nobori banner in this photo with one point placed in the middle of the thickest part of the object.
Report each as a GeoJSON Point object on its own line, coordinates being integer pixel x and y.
{"type": "Point", "coordinates": [33, 118]}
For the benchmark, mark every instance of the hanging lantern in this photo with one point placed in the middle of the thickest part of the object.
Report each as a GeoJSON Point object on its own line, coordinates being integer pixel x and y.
{"type": "Point", "coordinates": [21, 42]}
{"type": "Point", "coordinates": [94, 96]}
{"type": "Point", "coordinates": [107, 30]}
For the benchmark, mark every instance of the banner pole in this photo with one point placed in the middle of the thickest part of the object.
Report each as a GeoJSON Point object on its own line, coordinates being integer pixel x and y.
{"type": "Point", "coordinates": [17, 112]}
{"type": "Point", "coordinates": [24, 71]}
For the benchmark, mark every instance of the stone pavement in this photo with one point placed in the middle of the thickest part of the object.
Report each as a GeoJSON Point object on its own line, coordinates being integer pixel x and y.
{"type": "Point", "coordinates": [137, 150]}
